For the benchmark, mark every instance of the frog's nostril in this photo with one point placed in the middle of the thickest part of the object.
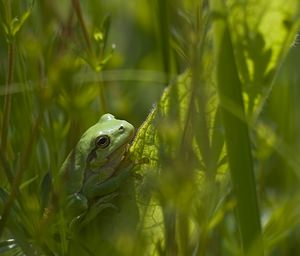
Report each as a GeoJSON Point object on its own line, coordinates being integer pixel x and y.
{"type": "Point", "coordinates": [121, 128]}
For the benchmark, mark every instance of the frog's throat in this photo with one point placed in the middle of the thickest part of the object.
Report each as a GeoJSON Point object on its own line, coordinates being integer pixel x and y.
{"type": "Point", "coordinates": [117, 156]}
{"type": "Point", "coordinates": [111, 161]}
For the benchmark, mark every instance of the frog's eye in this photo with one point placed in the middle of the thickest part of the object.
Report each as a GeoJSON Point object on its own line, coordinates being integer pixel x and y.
{"type": "Point", "coordinates": [102, 141]}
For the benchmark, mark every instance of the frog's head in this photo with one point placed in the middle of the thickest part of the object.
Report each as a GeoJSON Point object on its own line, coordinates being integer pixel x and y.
{"type": "Point", "coordinates": [105, 143]}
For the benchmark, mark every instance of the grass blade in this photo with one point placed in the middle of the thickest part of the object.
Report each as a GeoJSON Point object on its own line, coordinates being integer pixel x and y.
{"type": "Point", "coordinates": [236, 134]}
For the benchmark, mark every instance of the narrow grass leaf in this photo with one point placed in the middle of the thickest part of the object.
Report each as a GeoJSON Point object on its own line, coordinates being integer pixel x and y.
{"type": "Point", "coordinates": [236, 133]}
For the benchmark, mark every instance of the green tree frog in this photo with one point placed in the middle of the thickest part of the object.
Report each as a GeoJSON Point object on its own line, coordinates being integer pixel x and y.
{"type": "Point", "coordinates": [92, 173]}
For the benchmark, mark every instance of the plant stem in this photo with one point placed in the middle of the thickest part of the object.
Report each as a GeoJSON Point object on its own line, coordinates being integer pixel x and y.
{"type": "Point", "coordinates": [78, 11]}
{"type": "Point", "coordinates": [164, 28]}
{"type": "Point", "coordinates": [76, 6]}
{"type": "Point", "coordinates": [7, 99]}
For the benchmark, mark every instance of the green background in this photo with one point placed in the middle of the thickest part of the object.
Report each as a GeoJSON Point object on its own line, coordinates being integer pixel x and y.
{"type": "Point", "coordinates": [222, 143]}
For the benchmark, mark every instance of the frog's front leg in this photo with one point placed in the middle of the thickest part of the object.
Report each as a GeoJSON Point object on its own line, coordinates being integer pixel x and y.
{"type": "Point", "coordinates": [97, 196]}
{"type": "Point", "coordinates": [75, 206]}
{"type": "Point", "coordinates": [101, 196]}
{"type": "Point", "coordinates": [94, 188]}
{"type": "Point", "coordinates": [97, 207]}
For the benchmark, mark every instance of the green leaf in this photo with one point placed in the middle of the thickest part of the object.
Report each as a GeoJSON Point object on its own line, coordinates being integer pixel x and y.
{"type": "Point", "coordinates": [17, 23]}
{"type": "Point", "coordinates": [169, 141]}
{"type": "Point", "coordinates": [45, 190]}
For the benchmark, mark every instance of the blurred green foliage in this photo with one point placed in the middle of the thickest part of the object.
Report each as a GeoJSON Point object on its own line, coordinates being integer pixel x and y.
{"type": "Point", "coordinates": [165, 66]}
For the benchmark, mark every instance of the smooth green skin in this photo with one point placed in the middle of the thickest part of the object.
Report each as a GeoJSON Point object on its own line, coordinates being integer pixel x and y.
{"type": "Point", "coordinates": [90, 176]}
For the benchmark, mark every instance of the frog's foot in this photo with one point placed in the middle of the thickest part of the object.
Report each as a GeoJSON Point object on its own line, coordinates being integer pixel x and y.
{"type": "Point", "coordinates": [97, 207]}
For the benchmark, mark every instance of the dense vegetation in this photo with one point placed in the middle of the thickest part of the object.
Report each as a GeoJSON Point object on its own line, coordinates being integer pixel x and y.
{"type": "Point", "coordinates": [212, 89]}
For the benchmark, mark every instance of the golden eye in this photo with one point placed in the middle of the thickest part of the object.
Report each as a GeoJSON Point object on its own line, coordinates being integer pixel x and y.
{"type": "Point", "coordinates": [102, 141]}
